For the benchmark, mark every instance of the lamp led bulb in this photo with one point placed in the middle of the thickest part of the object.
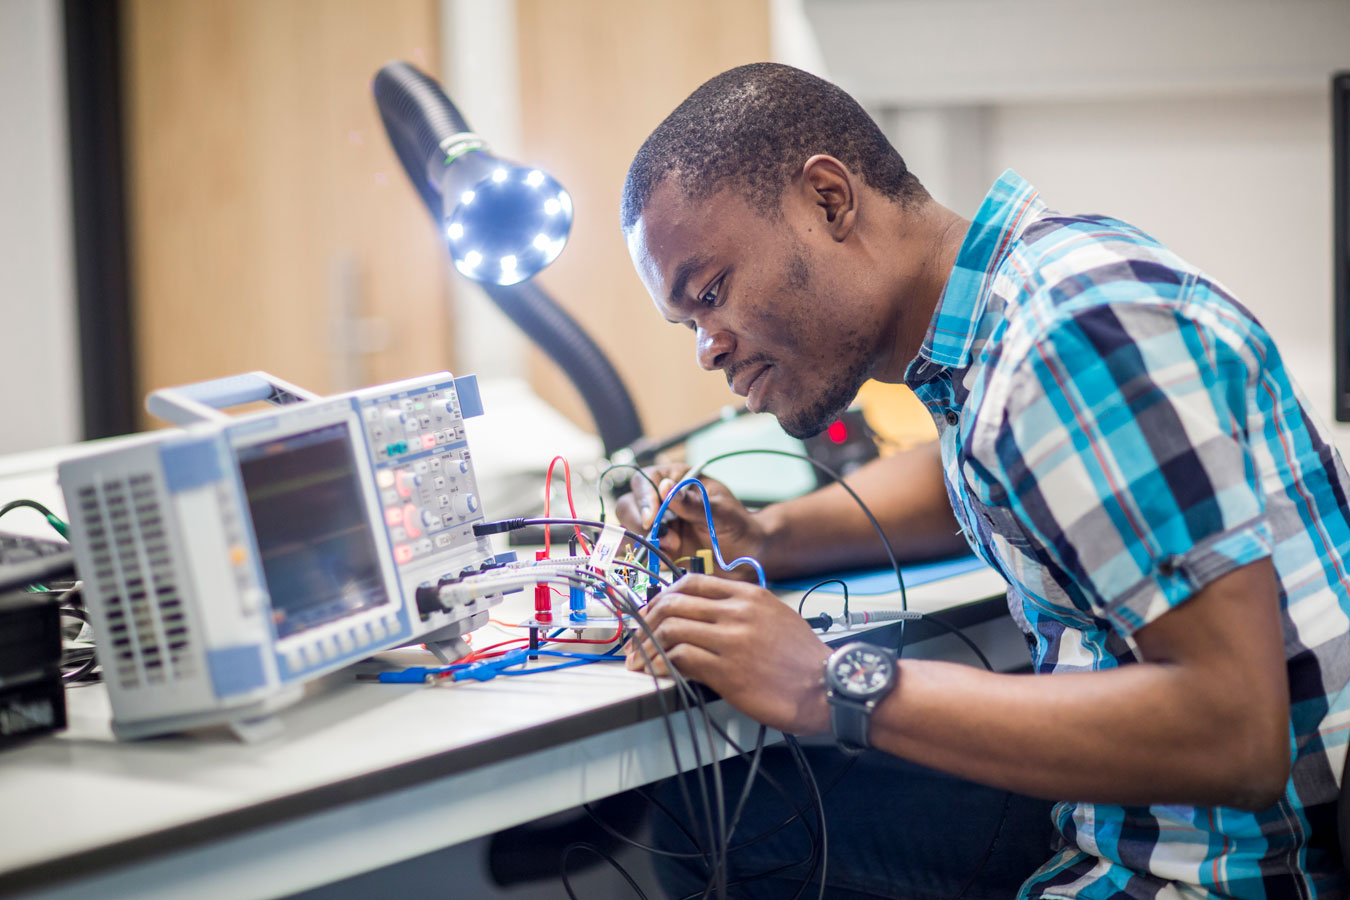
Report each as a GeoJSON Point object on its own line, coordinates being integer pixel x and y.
{"type": "Point", "coordinates": [508, 225]}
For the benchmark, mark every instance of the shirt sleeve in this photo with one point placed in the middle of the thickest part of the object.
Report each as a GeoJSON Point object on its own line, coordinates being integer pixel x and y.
{"type": "Point", "coordinates": [1123, 450]}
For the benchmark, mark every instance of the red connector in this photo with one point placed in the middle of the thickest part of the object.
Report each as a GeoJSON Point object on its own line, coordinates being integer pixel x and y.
{"type": "Point", "coordinates": [543, 600]}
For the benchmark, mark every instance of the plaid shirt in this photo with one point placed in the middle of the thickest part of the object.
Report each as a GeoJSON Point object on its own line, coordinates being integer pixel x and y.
{"type": "Point", "coordinates": [1117, 432]}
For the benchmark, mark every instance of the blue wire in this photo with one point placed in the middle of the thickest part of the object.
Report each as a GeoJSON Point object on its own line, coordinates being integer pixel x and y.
{"type": "Point", "coordinates": [652, 562]}
{"type": "Point", "coordinates": [590, 658]}
{"type": "Point", "coordinates": [569, 654]}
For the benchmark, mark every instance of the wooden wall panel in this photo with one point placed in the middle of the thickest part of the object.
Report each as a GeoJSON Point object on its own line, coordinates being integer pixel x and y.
{"type": "Point", "coordinates": [596, 78]}
{"type": "Point", "coordinates": [256, 165]}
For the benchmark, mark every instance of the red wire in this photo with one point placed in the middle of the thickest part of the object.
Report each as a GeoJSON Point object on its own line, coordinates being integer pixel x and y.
{"type": "Point", "coordinates": [481, 653]}
{"type": "Point", "coordinates": [571, 506]}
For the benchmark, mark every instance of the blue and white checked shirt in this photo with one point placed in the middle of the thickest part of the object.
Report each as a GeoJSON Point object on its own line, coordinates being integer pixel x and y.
{"type": "Point", "coordinates": [1117, 432]}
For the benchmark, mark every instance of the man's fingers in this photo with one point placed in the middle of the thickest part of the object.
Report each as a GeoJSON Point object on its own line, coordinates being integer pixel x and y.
{"type": "Point", "coordinates": [709, 586]}
{"type": "Point", "coordinates": [627, 512]}
{"type": "Point", "coordinates": [644, 499]}
{"type": "Point", "coordinates": [673, 604]}
{"type": "Point", "coordinates": [647, 500]}
{"type": "Point", "coordinates": [690, 659]}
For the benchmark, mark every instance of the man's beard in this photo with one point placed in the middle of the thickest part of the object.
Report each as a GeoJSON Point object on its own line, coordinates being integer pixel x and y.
{"type": "Point", "coordinates": [837, 396]}
{"type": "Point", "coordinates": [825, 408]}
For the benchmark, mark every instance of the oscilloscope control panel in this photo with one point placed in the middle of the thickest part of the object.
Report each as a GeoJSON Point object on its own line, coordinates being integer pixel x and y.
{"type": "Point", "coordinates": [425, 476]}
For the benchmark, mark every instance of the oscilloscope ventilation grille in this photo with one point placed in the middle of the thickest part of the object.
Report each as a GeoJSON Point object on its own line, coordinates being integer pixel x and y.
{"type": "Point", "coordinates": [149, 641]}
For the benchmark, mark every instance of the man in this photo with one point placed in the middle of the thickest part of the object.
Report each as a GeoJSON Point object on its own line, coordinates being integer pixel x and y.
{"type": "Point", "coordinates": [1118, 437]}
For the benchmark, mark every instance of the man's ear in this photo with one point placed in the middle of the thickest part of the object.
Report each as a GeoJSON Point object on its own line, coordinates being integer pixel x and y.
{"type": "Point", "coordinates": [829, 187]}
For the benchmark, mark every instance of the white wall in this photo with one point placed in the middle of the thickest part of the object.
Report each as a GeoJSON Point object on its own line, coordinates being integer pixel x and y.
{"type": "Point", "coordinates": [1239, 185]}
{"type": "Point", "coordinates": [39, 375]}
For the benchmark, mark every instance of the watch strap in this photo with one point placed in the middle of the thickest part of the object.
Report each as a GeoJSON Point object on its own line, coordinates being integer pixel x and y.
{"type": "Point", "coordinates": [848, 721]}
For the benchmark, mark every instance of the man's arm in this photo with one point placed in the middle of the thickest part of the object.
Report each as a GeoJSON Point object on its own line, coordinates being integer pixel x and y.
{"type": "Point", "coordinates": [1202, 720]}
{"type": "Point", "coordinates": [821, 530]}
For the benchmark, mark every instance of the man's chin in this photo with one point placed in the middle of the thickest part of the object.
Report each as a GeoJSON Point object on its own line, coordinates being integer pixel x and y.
{"type": "Point", "coordinates": [803, 427]}
{"type": "Point", "coordinates": [808, 421]}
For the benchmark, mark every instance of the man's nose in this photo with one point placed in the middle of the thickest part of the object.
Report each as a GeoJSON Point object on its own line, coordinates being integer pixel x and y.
{"type": "Point", "coordinates": [713, 348]}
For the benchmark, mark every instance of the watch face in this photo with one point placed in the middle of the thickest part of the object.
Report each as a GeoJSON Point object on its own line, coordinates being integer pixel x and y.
{"type": "Point", "coordinates": [861, 671]}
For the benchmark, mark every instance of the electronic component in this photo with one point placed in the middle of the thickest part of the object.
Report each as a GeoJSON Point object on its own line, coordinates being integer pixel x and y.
{"type": "Point", "coordinates": [228, 562]}
{"type": "Point", "coordinates": [32, 698]}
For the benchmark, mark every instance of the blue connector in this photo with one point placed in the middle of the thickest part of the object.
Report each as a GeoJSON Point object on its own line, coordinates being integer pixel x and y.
{"type": "Point", "coordinates": [411, 675]}
{"type": "Point", "coordinates": [576, 602]}
{"type": "Point", "coordinates": [488, 668]}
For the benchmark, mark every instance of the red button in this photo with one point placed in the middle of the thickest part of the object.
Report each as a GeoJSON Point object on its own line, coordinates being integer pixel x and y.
{"type": "Point", "coordinates": [394, 516]}
{"type": "Point", "coordinates": [428, 441]}
{"type": "Point", "coordinates": [403, 554]}
{"type": "Point", "coordinates": [410, 521]}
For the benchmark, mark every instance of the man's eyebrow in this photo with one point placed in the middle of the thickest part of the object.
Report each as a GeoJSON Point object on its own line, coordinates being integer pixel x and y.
{"type": "Point", "coordinates": [683, 272]}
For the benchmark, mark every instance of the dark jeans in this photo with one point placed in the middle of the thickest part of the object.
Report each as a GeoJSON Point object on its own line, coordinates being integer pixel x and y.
{"type": "Point", "coordinates": [895, 830]}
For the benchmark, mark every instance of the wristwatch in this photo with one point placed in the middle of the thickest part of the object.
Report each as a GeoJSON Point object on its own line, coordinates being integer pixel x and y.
{"type": "Point", "coordinates": [858, 676]}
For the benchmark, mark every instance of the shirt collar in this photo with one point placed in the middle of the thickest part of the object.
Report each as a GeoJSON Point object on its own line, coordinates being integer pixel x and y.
{"type": "Point", "coordinates": [1008, 208]}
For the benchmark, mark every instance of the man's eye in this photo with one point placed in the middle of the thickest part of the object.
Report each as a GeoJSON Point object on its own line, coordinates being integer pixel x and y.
{"type": "Point", "coordinates": [709, 297]}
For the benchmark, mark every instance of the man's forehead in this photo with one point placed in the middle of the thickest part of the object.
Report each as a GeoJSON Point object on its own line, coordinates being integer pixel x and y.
{"type": "Point", "coordinates": [677, 233]}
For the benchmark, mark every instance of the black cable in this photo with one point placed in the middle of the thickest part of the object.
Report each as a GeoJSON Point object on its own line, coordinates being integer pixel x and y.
{"type": "Point", "coordinates": [772, 783]}
{"type": "Point", "coordinates": [683, 693]}
{"type": "Point", "coordinates": [717, 881]}
{"type": "Point", "coordinates": [974, 648]}
{"type": "Point", "coordinates": [600, 482]}
{"type": "Point", "coordinates": [30, 504]}
{"type": "Point", "coordinates": [712, 727]}
{"type": "Point", "coordinates": [501, 525]}
{"type": "Point", "coordinates": [839, 581]}
{"type": "Point", "coordinates": [654, 576]}
{"type": "Point", "coordinates": [678, 823]}
{"type": "Point", "coordinates": [817, 846]}
{"type": "Point", "coordinates": [839, 479]}
{"type": "Point", "coordinates": [819, 802]}
{"type": "Point", "coordinates": [749, 781]}
{"type": "Point", "coordinates": [572, 848]}
{"type": "Point", "coordinates": [716, 836]}
{"type": "Point", "coordinates": [988, 850]}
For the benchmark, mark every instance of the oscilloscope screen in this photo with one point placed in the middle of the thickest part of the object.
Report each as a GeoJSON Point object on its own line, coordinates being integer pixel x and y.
{"type": "Point", "coordinates": [317, 547]}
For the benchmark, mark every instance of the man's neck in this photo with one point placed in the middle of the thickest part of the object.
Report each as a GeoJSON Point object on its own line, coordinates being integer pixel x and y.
{"type": "Point", "coordinates": [933, 236]}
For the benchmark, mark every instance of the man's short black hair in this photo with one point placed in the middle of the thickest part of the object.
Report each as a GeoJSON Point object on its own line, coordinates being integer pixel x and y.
{"type": "Point", "coordinates": [752, 128]}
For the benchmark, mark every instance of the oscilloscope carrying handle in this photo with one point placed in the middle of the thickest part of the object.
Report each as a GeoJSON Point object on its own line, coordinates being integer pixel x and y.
{"type": "Point", "coordinates": [203, 401]}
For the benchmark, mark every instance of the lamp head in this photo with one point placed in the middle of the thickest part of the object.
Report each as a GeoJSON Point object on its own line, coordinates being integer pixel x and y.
{"type": "Point", "coordinates": [502, 222]}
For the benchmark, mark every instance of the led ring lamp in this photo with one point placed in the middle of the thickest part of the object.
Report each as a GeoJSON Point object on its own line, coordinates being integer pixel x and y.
{"type": "Point", "coordinates": [502, 223]}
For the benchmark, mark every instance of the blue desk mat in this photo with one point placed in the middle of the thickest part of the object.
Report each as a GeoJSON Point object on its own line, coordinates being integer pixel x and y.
{"type": "Point", "coordinates": [882, 580]}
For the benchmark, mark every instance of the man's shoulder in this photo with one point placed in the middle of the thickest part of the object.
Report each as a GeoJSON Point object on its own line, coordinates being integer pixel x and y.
{"type": "Point", "coordinates": [1066, 256]}
{"type": "Point", "coordinates": [1065, 267]}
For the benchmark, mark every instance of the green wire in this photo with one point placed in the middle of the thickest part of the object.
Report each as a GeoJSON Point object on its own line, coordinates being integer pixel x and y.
{"type": "Point", "coordinates": [52, 518]}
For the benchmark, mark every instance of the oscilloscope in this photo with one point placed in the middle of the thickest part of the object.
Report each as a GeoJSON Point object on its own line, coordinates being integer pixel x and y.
{"type": "Point", "coordinates": [229, 561]}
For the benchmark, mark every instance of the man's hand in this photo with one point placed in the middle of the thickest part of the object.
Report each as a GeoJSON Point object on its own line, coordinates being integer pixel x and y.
{"type": "Point", "coordinates": [739, 533]}
{"type": "Point", "coordinates": [743, 642]}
